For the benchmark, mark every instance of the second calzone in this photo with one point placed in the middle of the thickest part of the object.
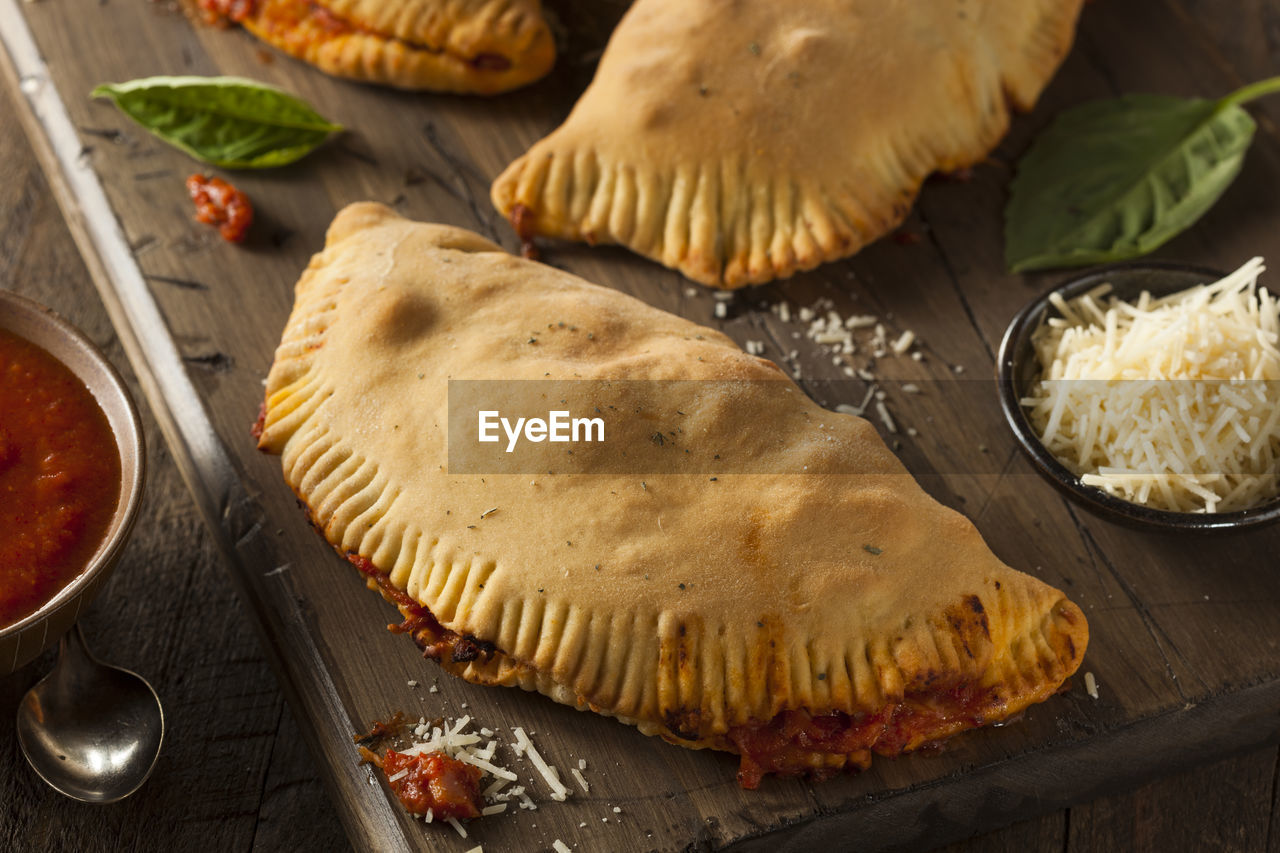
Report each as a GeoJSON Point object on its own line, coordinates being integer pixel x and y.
{"type": "Point", "coordinates": [779, 587]}
{"type": "Point", "coordinates": [740, 141]}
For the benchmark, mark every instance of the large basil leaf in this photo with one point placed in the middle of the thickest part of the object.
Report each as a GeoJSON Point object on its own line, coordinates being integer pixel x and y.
{"type": "Point", "coordinates": [1115, 179]}
{"type": "Point", "coordinates": [226, 121]}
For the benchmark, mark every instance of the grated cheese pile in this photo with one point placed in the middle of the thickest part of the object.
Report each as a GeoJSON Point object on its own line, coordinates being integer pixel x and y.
{"type": "Point", "coordinates": [1173, 403]}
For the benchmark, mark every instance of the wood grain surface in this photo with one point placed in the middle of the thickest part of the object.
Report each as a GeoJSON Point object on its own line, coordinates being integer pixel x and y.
{"type": "Point", "coordinates": [233, 774]}
{"type": "Point", "coordinates": [1184, 631]}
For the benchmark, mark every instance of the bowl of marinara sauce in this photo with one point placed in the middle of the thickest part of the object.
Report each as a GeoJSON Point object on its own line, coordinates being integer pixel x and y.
{"type": "Point", "coordinates": [71, 476]}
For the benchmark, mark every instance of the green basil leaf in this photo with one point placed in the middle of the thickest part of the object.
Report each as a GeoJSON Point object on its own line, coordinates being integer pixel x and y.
{"type": "Point", "coordinates": [1115, 179]}
{"type": "Point", "coordinates": [225, 121]}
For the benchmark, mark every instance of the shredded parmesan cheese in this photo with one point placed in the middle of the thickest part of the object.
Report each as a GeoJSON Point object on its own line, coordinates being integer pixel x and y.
{"type": "Point", "coordinates": [1174, 402]}
{"type": "Point", "coordinates": [560, 846]}
{"type": "Point", "coordinates": [558, 791]}
{"type": "Point", "coordinates": [883, 412]}
{"type": "Point", "coordinates": [491, 769]}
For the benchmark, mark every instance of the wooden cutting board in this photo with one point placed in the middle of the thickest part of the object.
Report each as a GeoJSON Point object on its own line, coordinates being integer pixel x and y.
{"type": "Point", "coordinates": [1185, 631]}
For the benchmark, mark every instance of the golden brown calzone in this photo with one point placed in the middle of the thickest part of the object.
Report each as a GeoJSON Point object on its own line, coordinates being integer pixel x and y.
{"type": "Point", "coordinates": [469, 46]}
{"type": "Point", "coordinates": [803, 618]}
{"type": "Point", "coordinates": [740, 141]}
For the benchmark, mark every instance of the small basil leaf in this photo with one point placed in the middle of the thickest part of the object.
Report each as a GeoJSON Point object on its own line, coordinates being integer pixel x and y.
{"type": "Point", "coordinates": [1115, 179]}
{"type": "Point", "coordinates": [225, 121]}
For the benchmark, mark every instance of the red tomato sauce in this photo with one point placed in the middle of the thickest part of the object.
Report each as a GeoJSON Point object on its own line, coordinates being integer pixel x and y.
{"type": "Point", "coordinates": [434, 782]}
{"type": "Point", "coordinates": [59, 477]}
{"type": "Point", "coordinates": [221, 205]}
{"type": "Point", "coordinates": [789, 743]}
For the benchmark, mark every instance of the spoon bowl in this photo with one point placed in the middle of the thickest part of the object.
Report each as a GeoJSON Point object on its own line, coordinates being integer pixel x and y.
{"type": "Point", "coordinates": [90, 730]}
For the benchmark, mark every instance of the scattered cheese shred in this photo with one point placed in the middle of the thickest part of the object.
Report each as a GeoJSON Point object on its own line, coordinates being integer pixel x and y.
{"type": "Point", "coordinates": [558, 791]}
{"type": "Point", "coordinates": [577, 777]}
{"type": "Point", "coordinates": [560, 846]}
{"type": "Point", "coordinates": [491, 769]}
{"type": "Point", "coordinates": [883, 411]}
{"type": "Point", "coordinates": [453, 821]}
{"type": "Point", "coordinates": [1174, 402]}
{"type": "Point", "coordinates": [1091, 685]}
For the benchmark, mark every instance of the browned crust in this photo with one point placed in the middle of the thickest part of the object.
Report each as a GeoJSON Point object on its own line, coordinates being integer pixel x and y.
{"type": "Point", "coordinates": [822, 151]}
{"type": "Point", "coordinates": [520, 53]}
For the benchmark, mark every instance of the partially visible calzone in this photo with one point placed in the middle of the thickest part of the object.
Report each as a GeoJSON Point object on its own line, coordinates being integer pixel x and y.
{"type": "Point", "coordinates": [803, 619]}
{"type": "Point", "coordinates": [468, 46]}
{"type": "Point", "coordinates": [740, 141]}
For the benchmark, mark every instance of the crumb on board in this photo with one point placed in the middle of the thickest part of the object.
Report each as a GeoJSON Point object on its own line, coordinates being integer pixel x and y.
{"type": "Point", "coordinates": [479, 747]}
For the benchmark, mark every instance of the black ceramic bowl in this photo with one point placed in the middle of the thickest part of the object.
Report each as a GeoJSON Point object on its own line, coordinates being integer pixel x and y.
{"type": "Point", "coordinates": [1017, 369]}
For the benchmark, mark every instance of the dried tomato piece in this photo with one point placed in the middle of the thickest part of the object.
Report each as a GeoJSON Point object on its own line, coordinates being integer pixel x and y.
{"type": "Point", "coordinates": [222, 205]}
{"type": "Point", "coordinates": [380, 730]}
{"type": "Point", "coordinates": [434, 782]}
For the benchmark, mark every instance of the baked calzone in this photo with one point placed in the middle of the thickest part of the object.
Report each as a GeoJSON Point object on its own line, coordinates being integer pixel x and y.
{"type": "Point", "coordinates": [740, 141]}
{"type": "Point", "coordinates": [469, 46]}
{"type": "Point", "coordinates": [806, 614]}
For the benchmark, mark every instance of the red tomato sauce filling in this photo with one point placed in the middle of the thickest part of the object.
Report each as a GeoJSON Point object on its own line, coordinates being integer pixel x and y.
{"type": "Point", "coordinates": [59, 477]}
{"type": "Point", "coordinates": [221, 205]}
{"type": "Point", "coordinates": [434, 782]}
{"type": "Point", "coordinates": [787, 744]}
{"type": "Point", "coordinates": [523, 222]}
{"type": "Point", "coordinates": [436, 641]}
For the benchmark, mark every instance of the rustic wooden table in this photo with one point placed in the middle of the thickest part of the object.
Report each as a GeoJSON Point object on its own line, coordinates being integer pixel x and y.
{"type": "Point", "coordinates": [235, 774]}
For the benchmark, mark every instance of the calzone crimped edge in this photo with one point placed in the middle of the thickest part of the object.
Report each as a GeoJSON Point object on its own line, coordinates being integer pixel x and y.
{"type": "Point", "coordinates": [468, 46]}
{"type": "Point", "coordinates": [740, 141]}
{"type": "Point", "coordinates": [803, 620]}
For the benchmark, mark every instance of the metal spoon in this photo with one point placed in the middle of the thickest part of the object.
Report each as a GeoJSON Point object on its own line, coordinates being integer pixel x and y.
{"type": "Point", "coordinates": [91, 731]}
